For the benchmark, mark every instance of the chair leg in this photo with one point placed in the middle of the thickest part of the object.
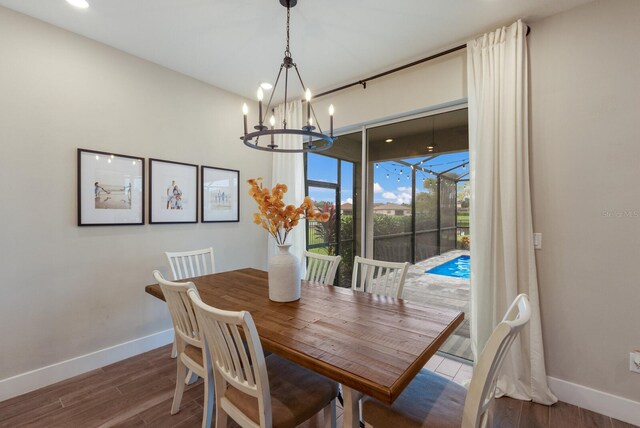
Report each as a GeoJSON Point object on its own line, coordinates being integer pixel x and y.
{"type": "Point", "coordinates": [191, 378]}
{"type": "Point", "coordinates": [177, 395]}
{"type": "Point", "coordinates": [210, 403]}
{"type": "Point", "coordinates": [174, 350]}
{"type": "Point", "coordinates": [221, 418]}
{"type": "Point", "coordinates": [330, 415]}
{"type": "Point", "coordinates": [351, 415]}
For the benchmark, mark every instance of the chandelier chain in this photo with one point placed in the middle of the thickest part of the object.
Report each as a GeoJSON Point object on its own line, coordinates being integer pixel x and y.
{"type": "Point", "coordinates": [287, 52]}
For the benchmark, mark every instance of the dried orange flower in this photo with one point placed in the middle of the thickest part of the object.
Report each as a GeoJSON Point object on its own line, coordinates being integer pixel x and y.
{"type": "Point", "coordinates": [275, 216]}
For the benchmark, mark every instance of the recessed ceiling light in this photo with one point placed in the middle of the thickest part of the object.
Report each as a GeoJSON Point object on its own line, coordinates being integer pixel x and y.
{"type": "Point", "coordinates": [388, 140]}
{"type": "Point", "coordinates": [82, 4]}
{"type": "Point", "coordinates": [266, 86]}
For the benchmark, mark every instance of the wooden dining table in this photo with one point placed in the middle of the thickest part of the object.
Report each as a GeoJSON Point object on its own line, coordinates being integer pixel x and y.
{"type": "Point", "coordinates": [372, 344]}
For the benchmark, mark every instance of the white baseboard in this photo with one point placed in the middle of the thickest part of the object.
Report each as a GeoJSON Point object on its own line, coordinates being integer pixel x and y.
{"type": "Point", "coordinates": [601, 402]}
{"type": "Point", "coordinates": [39, 378]}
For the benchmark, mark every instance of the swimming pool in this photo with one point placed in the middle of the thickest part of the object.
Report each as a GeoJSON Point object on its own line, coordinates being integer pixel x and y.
{"type": "Point", "coordinates": [460, 267]}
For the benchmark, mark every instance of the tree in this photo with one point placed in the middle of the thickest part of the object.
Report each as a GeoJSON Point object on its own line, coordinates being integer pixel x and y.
{"type": "Point", "coordinates": [326, 231]}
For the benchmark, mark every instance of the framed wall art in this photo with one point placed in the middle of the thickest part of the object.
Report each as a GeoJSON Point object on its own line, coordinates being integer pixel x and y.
{"type": "Point", "coordinates": [173, 192]}
{"type": "Point", "coordinates": [220, 195]}
{"type": "Point", "coordinates": [110, 189]}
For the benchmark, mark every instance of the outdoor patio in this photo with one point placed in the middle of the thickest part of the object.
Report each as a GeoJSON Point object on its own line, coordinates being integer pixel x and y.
{"type": "Point", "coordinates": [443, 291]}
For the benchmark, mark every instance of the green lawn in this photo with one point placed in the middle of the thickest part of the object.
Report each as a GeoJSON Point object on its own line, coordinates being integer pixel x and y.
{"type": "Point", "coordinates": [463, 219]}
{"type": "Point", "coordinates": [322, 250]}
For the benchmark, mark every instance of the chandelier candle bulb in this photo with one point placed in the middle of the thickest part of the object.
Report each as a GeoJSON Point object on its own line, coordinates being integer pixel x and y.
{"type": "Point", "coordinates": [307, 96]}
{"type": "Point", "coordinates": [260, 97]}
{"type": "Point", "coordinates": [272, 122]}
{"type": "Point", "coordinates": [245, 111]}
{"type": "Point", "coordinates": [331, 111]}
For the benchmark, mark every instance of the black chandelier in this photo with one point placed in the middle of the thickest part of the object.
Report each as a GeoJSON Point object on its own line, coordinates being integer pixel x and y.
{"type": "Point", "coordinates": [316, 141]}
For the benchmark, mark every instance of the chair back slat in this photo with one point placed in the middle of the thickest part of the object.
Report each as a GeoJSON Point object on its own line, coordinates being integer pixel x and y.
{"type": "Point", "coordinates": [244, 358]}
{"type": "Point", "coordinates": [485, 375]}
{"type": "Point", "coordinates": [189, 264]}
{"type": "Point", "coordinates": [321, 268]}
{"type": "Point", "coordinates": [238, 363]}
{"type": "Point", "coordinates": [379, 277]}
{"type": "Point", "coordinates": [183, 316]}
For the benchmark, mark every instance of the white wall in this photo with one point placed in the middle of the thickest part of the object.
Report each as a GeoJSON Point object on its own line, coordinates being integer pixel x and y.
{"type": "Point", "coordinates": [439, 82]}
{"type": "Point", "coordinates": [68, 291]}
{"type": "Point", "coordinates": [585, 144]}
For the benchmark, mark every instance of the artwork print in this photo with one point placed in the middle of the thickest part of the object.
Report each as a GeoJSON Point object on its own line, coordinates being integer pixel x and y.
{"type": "Point", "coordinates": [220, 195]}
{"type": "Point", "coordinates": [174, 192]}
{"type": "Point", "coordinates": [110, 189]}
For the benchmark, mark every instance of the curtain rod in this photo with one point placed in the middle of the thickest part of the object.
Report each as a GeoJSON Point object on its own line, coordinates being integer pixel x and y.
{"type": "Point", "coordinates": [363, 82]}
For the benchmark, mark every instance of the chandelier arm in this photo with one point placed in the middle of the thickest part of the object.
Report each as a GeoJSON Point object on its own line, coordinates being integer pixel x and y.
{"type": "Point", "coordinates": [313, 112]}
{"type": "Point", "coordinates": [286, 87]}
{"type": "Point", "coordinates": [304, 88]}
{"type": "Point", "coordinates": [275, 85]}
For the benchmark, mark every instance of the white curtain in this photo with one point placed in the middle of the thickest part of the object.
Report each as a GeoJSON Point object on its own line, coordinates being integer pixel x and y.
{"type": "Point", "coordinates": [288, 168]}
{"type": "Point", "coordinates": [502, 254]}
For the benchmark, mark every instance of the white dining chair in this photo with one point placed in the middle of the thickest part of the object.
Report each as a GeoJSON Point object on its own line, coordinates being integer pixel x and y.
{"type": "Point", "coordinates": [431, 400]}
{"type": "Point", "coordinates": [321, 268]}
{"type": "Point", "coordinates": [253, 390]}
{"type": "Point", "coordinates": [189, 264]}
{"type": "Point", "coordinates": [379, 277]}
{"type": "Point", "coordinates": [188, 342]}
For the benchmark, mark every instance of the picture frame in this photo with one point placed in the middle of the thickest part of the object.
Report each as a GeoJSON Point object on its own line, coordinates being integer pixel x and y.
{"type": "Point", "coordinates": [110, 189]}
{"type": "Point", "coordinates": [173, 192]}
{"type": "Point", "coordinates": [220, 195]}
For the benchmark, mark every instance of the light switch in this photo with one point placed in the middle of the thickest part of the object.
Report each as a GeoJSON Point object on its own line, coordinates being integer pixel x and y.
{"type": "Point", "coordinates": [537, 241]}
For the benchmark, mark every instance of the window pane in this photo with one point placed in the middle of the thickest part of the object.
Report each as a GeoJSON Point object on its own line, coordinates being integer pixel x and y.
{"type": "Point", "coordinates": [322, 235]}
{"type": "Point", "coordinates": [333, 180]}
{"type": "Point", "coordinates": [322, 168]}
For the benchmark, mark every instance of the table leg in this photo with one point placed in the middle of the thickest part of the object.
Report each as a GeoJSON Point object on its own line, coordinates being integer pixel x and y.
{"type": "Point", "coordinates": [351, 415]}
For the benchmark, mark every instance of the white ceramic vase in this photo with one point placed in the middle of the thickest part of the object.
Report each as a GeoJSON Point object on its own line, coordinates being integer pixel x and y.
{"type": "Point", "coordinates": [284, 276]}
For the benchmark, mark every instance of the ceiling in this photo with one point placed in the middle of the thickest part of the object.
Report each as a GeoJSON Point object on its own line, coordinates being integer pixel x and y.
{"type": "Point", "coordinates": [424, 126]}
{"type": "Point", "coordinates": [237, 44]}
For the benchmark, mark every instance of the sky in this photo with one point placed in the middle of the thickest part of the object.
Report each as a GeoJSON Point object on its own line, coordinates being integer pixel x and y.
{"type": "Point", "coordinates": [392, 181]}
{"type": "Point", "coordinates": [325, 169]}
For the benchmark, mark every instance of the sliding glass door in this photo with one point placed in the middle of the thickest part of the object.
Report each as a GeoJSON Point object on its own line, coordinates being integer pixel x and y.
{"type": "Point", "coordinates": [417, 210]}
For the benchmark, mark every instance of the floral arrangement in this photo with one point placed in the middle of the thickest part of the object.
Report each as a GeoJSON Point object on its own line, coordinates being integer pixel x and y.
{"type": "Point", "coordinates": [275, 216]}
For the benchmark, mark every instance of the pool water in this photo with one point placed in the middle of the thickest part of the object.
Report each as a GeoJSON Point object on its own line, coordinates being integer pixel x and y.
{"type": "Point", "coordinates": [460, 267]}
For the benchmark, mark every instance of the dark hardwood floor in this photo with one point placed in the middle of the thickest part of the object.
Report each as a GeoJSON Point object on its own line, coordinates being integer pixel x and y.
{"type": "Point", "coordinates": [137, 392]}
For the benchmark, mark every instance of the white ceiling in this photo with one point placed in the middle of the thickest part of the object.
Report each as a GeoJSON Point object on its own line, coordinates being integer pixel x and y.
{"type": "Point", "coordinates": [236, 44]}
